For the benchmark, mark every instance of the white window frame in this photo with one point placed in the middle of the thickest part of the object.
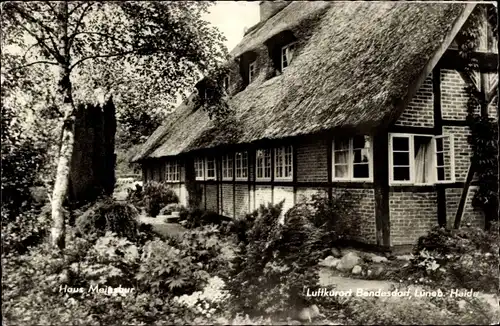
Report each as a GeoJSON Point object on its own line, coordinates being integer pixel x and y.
{"type": "Point", "coordinates": [172, 173]}
{"type": "Point", "coordinates": [263, 166]}
{"type": "Point", "coordinates": [350, 162]}
{"type": "Point", "coordinates": [243, 167]}
{"type": "Point", "coordinates": [283, 53]}
{"type": "Point", "coordinates": [227, 165]}
{"type": "Point", "coordinates": [199, 163]}
{"type": "Point", "coordinates": [251, 66]}
{"type": "Point", "coordinates": [411, 159]}
{"type": "Point", "coordinates": [283, 149]}
{"type": "Point", "coordinates": [411, 140]}
{"type": "Point", "coordinates": [214, 177]}
{"type": "Point", "coordinates": [452, 158]}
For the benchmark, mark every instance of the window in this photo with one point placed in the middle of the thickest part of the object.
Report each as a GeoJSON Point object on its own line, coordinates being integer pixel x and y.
{"type": "Point", "coordinates": [227, 167]}
{"type": "Point", "coordinates": [172, 171]}
{"type": "Point", "coordinates": [445, 158]}
{"type": "Point", "coordinates": [351, 158]}
{"type": "Point", "coordinates": [199, 170]}
{"type": "Point", "coordinates": [283, 165]}
{"type": "Point", "coordinates": [421, 159]}
{"type": "Point", "coordinates": [225, 83]}
{"type": "Point", "coordinates": [263, 164]}
{"type": "Point", "coordinates": [287, 53]}
{"type": "Point", "coordinates": [210, 168]}
{"type": "Point", "coordinates": [251, 72]}
{"type": "Point", "coordinates": [241, 160]}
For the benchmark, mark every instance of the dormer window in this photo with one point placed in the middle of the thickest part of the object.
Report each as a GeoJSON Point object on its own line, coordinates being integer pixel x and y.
{"type": "Point", "coordinates": [287, 55]}
{"type": "Point", "coordinates": [251, 72]}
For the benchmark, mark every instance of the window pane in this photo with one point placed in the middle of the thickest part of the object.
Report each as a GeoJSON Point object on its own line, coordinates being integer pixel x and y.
{"type": "Point", "coordinates": [439, 144]}
{"type": "Point", "coordinates": [341, 171]}
{"type": "Point", "coordinates": [440, 159]}
{"type": "Point", "coordinates": [401, 158]}
{"type": "Point", "coordinates": [402, 173]}
{"type": "Point", "coordinates": [341, 157]}
{"type": "Point", "coordinates": [440, 174]}
{"type": "Point", "coordinates": [400, 144]}
{"type": "Point", "coordinates": [361, 155]}
{"type": "Point", "coordinates": [341, 144]}
{"type": "Point", "coordinates": [361, 171]}
{"type": "Point", "coordinates": [359, 142]}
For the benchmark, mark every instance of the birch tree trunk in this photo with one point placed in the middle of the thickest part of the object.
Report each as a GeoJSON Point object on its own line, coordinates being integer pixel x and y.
{"type": "Point", "coordinates": [68, 135]}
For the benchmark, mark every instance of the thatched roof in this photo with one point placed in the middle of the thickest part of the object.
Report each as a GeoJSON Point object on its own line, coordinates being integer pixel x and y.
{"type": "Point", "coordinates": [353, 71]}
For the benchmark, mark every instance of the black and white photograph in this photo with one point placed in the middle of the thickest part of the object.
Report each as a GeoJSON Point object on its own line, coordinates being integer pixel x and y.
{"type": "Point", "coordinates": [250, 163]}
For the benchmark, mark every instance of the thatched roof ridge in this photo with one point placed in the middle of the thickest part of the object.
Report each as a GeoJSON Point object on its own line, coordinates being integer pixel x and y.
{"type": "Point", "coordinates": [352, 73]}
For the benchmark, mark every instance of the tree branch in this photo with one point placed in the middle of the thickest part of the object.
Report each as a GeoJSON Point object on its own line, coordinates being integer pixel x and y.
{"type": "Point", "coordinates": [32, 19]}
{"type": "Point", "coordinates": [77, 25]}
{"type": "Point", "coordinates": [34, 63]}
{"type": "Point", "coordinates": [109, 55]}
{"type": "Point", "coordinates": [40, 40]}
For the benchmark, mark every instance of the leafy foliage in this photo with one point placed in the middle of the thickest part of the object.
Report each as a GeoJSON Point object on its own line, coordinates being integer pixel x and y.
{"type": "Point", "coordinates": [464, 258]}
{"type": "Point", "coordinates": [29, 229]}
{"type": "Point", "coordinates": [275, 266]}
{"type": "Point", "coordinates": [156, 196]}
{"type": "Point", "coordinates": [484, 131]}
{"type": "Point", "coordinates": [437, 311]}
{"type": "Point", "coordinates": [109, 216]}
{"type": "Point", "coordinates": [196, 217]}
{"type": "Point", "coordinates": [23, 157]}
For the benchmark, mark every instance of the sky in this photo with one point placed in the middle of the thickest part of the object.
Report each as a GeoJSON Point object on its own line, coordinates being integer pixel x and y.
{"type": "Point", "coordinates": [232, 17]}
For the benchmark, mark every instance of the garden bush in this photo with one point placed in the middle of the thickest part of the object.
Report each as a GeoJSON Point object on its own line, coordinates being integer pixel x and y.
{"type": "Point", "coordinates": [29, 229]}
{"type": "Point", "coordinates": [197, 217]}
{"type": "Point", "coordinates": [463, 258]}
{"type": "Point", "coordinates": [275, 265]}
{"type": "Point", "coordinates": [156, 196]}
{"type": "Point", "coordinates": [432, 311]}
{"type": "Point", "coordinates": [109, 215]}
{"type": "Point", "coordinates": [158, 271]}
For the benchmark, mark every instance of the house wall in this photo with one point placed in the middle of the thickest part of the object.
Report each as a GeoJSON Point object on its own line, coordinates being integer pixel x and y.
{"type": "Point", "coordinates": [312, 152]}
{"type": "Point", "coordinates": [414, 211]}
{"type": "Point", "coordinates": [412, 215]}
{"type": "Point", "coordinates": [420, 110]}
{"type": "Point", "coordinates": [472, 215]}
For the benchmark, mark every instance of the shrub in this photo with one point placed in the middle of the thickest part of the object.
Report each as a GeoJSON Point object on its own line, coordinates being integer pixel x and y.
{"type": "Point", "coordinates": [156, 196]}
{"type": "Point", "coordinates": [208, 248]}
{"type": "Point", "coordinates": [109, 215]}
{"type": "Point", "coordinates": [336, 216]}
{"type": "Point", "coordinates": [158, 271]}
{"type": "Point", "coordinates": [463, 258]}
{"type": "Point", "coordinates": [274, 265]}
{"type": "Point", "coordinates": [168, 271]}
{"type": "Point", "coordinates": [29, 229]}
{"type": "Point", "coordinates": [436, 311]}
{"type": "Point", "coordinates": [196, 218]}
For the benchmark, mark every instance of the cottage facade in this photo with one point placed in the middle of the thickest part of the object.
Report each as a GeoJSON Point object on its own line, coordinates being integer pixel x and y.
{"type": "Point", "coordinates": [331, 97]}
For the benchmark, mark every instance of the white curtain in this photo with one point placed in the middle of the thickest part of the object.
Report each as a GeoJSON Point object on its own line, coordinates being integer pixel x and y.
{"type": "Point", "coordinates": [423, 164]}
{"type": "Point", "coordinates": [341, 158]}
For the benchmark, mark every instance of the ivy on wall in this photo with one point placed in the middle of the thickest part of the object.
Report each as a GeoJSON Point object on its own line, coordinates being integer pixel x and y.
{"type": "Point", "coordinates": [484, 129]}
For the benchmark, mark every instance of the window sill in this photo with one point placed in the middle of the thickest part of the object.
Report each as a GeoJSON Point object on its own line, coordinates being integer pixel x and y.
{"type": "Point", "coordinates": [263, 179]}
{"type": "Point", "coordinates": [283, 179]}
{"type": "Point", "coordinates": [241, 179]}
{"type": "Point", "coordinates": [353, 180]}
